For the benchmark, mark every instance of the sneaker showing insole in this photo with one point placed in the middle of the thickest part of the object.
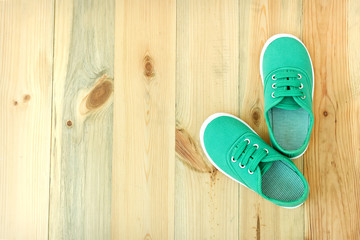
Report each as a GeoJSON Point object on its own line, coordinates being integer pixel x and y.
{"type": "Point", "coordinates": [288, 78]}
{"type": "Point", "coordinates": [239, 153]}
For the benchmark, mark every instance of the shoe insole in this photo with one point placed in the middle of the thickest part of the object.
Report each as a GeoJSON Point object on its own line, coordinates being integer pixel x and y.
{"type": "Point", "coordinates": [280, 182]}
{"type": "Point", "coordinates": [290, 127]}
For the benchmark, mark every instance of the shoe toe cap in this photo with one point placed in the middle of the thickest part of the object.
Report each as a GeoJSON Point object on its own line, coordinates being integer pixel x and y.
{"type": "Point", "coordinates": [286, 52]}
{"type": "Point", "coordinates": [219, 133]}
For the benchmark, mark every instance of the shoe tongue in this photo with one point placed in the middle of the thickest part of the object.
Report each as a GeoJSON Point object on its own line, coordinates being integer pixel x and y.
{"type": "Point", "coordinates": [264, 166]}
{"type": "Point", "coordinates": [288, 103]}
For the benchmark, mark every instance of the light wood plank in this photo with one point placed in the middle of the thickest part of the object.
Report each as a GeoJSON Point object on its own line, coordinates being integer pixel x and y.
{"type": "Point", "coordinates": [144, 120]}
{"type": "Point", "coordinates": [25, 121]}
{"type": "Point", "coordinates": [350, 148]}
{"type": "Point", "coordinates": [331, 30]}
{"type": "Point", "coordinates": [82, 130]}
{"type": "Point", "coordinates": [206, 202]}
{"type": "Point", "coordinates": [260, 20]}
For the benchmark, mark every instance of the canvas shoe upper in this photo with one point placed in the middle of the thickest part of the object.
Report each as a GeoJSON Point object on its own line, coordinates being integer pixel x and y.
{"type": "Point", "coordinates": [238, 152]}
{"type": "Point", "coordinates": [288, 78]}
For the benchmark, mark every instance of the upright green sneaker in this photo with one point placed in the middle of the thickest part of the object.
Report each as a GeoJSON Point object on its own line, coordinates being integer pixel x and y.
{"type": "Point", "coordinates": [239, 153]}
{"type": "Point", "coordinates": [288, 78]}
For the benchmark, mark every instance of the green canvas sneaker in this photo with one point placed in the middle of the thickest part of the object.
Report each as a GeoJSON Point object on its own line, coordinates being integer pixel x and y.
{"type": "Point", "coordinates": [288, 78]}
{"type": "Point", "coordinates": [239, 153]}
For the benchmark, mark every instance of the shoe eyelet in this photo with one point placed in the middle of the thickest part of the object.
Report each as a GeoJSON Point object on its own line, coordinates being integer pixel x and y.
{"type": "Point", "coordinates": [267, 151]}
{"type": "Point", "coordinates": [303, 97]}
{"type": "Point", "coordinates": [247, 140]}
{"type": "Point", "coordinates": [241, 166]}
{"type": "Point", "coordinates": [272, 95]}
{"type": "Point", "coordinates": [301, 87]}
{"type": "Point", "coordinates": [257, 146]}
{"type": "Point", "coordinates": [273, 77]}
{"type": "Point", "coordinates": [250, 172]}
{"type": "Point", "coordinates": [273, 86]}
{"type": "Point", "coordinates": [232, 159]}
{"type": "Point", "coordinates": [299, 76]}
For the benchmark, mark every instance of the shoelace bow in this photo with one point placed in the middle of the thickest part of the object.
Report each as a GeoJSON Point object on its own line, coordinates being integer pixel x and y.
{"type": "Point", "coordinates": [246, 153]}
{"type": "Point", "coordinates": [287, 84]}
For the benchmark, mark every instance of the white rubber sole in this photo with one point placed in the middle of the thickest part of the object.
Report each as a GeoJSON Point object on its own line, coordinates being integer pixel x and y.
{"type": "Point", "coordinates": [202, 130]}
{"type": "Point", "coordinates": [267, 43]}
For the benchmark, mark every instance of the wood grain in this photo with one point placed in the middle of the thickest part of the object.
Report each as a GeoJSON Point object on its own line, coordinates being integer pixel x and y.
{"type": "Point", "coordinates": [331, 30]}
{"type": "Point", "coordinates": [102, 102]}
{"type": "Point", "coordinates": [144, 120]}
{"type": "Point", "coordinates": [25, 121]}
{"type": "Point", "coordinates": [82, 127]}
{"type": "Point", "coordinates": [206, 202]}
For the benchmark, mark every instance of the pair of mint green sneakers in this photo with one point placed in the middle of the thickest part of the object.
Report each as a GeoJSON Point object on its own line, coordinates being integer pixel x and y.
{"type": "Point", "coordinates": [237, 151]}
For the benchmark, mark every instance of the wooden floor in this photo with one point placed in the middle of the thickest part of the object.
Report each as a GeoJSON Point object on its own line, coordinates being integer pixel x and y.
{"type": "Point", "coordinates": [102, 101]}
